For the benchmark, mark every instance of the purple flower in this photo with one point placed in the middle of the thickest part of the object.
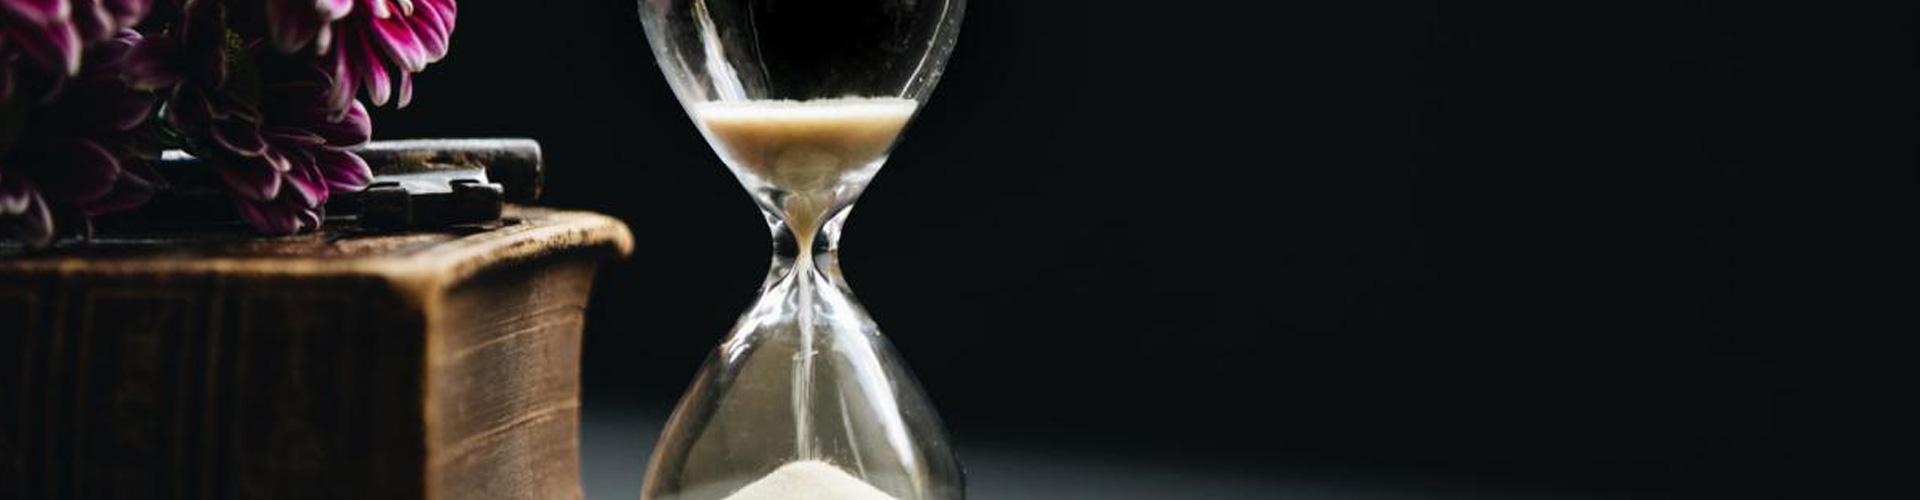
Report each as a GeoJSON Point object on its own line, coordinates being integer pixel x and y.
{"type": "Point", "coordinates": [388, 40]}
{"type": "Point", "coordinates": [261, 119]}
{"type": "Point", "coordinates": [50, 35]}
{"type": "Point", "coordinates": [373, 44]}
{"type": "Point", "coordinates": [402, 33]}
{"type": "Point", "coordinates": [283, 155]}
{"type": "Point", "coordinates": [78, 152]}
{"type": "Point", "coordinates": [266, 91]}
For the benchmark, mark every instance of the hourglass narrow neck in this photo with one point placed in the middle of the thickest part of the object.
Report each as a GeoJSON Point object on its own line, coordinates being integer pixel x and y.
{"type": "Point", "coordinates": [805, 282]}
{"type": "Point", "coordinates": [806, 238]}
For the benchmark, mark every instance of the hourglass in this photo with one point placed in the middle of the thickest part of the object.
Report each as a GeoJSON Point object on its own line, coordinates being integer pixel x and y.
{"type": "Point", "coordinates": [803, 101]}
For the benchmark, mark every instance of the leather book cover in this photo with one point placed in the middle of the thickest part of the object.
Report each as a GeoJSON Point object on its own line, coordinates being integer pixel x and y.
{"type": "Point", "coordinates": [421, 365]}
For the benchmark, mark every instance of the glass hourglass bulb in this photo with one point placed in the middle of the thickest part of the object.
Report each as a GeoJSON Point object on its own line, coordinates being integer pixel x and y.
{"type": "Point", "coordinates": [803, 101]}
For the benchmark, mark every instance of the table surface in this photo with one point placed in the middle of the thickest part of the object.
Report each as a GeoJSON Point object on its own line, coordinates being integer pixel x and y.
{"type": "Point", "coordinates": [615, 446]}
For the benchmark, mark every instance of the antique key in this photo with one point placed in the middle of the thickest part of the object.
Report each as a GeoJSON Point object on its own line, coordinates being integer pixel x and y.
{"type": "Point", "coordinates": [417, 184]}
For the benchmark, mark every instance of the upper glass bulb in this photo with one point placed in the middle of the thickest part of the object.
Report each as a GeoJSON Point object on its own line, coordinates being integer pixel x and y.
{"type": "Point", "coordinates": [803, 100]}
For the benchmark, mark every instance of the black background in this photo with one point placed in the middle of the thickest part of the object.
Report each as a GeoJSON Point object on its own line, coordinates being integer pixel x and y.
{"type": "Point", "coordinates": [1655, 247]}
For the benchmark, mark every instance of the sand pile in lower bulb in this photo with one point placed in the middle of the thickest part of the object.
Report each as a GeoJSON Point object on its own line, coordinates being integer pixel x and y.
{"type": "Point", "coordinates": [809, 480]}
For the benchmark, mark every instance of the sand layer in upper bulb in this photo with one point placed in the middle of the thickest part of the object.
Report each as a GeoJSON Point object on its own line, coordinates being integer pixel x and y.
{"type": "Point", "coordinates": [809, 480]}
{"type": "Point", "coordinates": [804, 146]}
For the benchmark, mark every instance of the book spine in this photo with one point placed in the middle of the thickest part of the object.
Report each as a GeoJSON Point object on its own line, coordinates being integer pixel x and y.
{"type": "Point", "coordinates": [169, 387]}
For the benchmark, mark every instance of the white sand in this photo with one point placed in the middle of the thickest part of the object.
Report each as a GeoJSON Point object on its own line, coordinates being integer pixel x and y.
{"type": "Point", "coordinates": [809, 480]}
{"type": "Point", "coordinates": [802, 146]}
{"type": "Point", "coordinates": [805, 148]}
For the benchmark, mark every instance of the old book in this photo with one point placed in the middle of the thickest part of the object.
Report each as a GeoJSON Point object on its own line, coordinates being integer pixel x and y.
{"type": "Point", "coordinates": [342, 365]}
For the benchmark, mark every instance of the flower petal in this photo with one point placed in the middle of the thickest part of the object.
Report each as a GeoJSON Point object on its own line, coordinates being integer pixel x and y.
{"type": "Point", "coordinates": [129, 192]}
{"type": "Point", "coordinates": [110, 55]}
{"type": "Point", "coordinates": [294, 24]}
{"type": "Point", "coordinates": [251, 178]}
{"type": "Point", "coordinates": [92, 20]}
{"type": "Point", "coordinates": [54, 46]}
{"type": "Point", "coordinates": [281, 216]}
{"type": "Point", "coordinates": [38, 11]}
{"type": "Point", "coordinates": [346, 82]}
{"type": "Point", "coordinates": [239, 137]}
{"type": "Point", "coordinates": [310, 219]}
{"type": "Point", "coordinates": [16, 194]}
{"type": "Point", "coordinates": [352, 128]}
{"type": "Point", "coordinates": [101, 104]}
{"type": "Point", "coordinates": [306, 182]}
{"type": "Point", "coordinates": [379, 88]}
{"type": "Point", "coordinates": [406, 90]}
{"type": "Point", "coordinates": [78, 171]}
{"type": "Point", "coordinates": [293, 137]}
{"type": "Point", "coordinates": [223, 106]}
{"type": "Point", "coordinates": [323, 41]}
{"type": "Point", "coordinates": [334, 9]}
{"type": "Point", "coordinates": [272, 217]}
{"type": "Point", "coordinates": [434, 28]}
{"type": "Point", "coordinates": [150, 65]}
{"type": "Point", "coordinates": [127, 13]}
{"type": "Point", "coordinates": [397, 40]}
{"type": "Point", "coordinates": [344, 171]}
{"type": "Point", "coordinates": [24, 215]}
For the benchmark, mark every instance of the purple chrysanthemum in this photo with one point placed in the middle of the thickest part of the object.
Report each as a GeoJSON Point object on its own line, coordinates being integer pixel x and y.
{"type": "Point", "coordinates": [265, 90]}
{"type": "Point", "coordinates": [373, 44]}
{"type": "Point", "coordinates": [263, 120]}
{"type": "Point", "coordinates": [78, 151]}
{"type": "Point", "coordinates": [283, 156]}
{"type": "Point", "coordinates": [50, 35]}
{"type": "Point", "coordinates": [406, 35]}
